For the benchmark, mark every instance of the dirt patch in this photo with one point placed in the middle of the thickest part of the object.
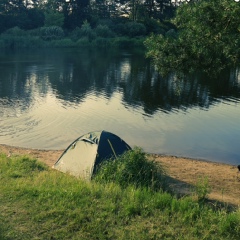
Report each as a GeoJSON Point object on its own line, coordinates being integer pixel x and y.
{"type": "Point", "coordinates": [224, 179]}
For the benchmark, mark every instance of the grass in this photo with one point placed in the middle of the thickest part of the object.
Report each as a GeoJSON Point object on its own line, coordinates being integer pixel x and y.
{"type": "Point", "coordinates": [40, 203]}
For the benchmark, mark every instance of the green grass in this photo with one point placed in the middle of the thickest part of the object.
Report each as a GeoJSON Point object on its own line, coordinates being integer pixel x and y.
{"type": "Point", "coordinates": [41, 203]}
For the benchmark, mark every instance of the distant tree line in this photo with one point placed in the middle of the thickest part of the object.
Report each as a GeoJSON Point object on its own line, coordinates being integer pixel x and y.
{"type": "Point", "coordinates": [71, 14]}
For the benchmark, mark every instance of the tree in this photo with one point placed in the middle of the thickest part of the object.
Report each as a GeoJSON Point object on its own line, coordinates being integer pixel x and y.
{"type": "Point", "coordinates": [53, 18]}
{"type": "Point", "coordinates": [207, 37]}
{"type": "Point", "coordinates": [76, 12]}
{"type": "Point", "coordinates": [20, 13]}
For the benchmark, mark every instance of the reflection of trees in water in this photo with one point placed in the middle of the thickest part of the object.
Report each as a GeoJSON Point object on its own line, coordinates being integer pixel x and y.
{"type": "Point", "coordinates": [82, 73]}
{"type": "Point", "coordinates": [13, 94]}
{"type": "Point", "coordinates": [73, 75]}
{"type": "Point", "coordinates": [150, 90]}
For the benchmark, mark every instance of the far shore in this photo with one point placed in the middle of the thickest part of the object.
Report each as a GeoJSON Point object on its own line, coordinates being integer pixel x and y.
{"type": "Point", "coordinates": [224, 179]}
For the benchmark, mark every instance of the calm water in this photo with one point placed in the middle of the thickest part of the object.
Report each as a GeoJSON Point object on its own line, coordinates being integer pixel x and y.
{"type": "Point", "coordinates": [49, 98]}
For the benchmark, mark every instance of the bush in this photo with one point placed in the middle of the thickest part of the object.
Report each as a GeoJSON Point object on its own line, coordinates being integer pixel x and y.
{"type": "Point", "coordinates": [134, 29]}
{"type": "Point", "coordinates": [104, 31]}
{"type": "Point", "coordinates": [202, 189]}
{"type": "Point", "coordinates": [86, 31]}
{"type": "Point", "coordinates": [132, 168]}
{"type": "Point", "coordinates": [16, 31]}
{"type": "Point", "coordinates": [51, 33]}
{"type": "Point", "coordinates": [130, 29]}
{"type": "Point", "coordinates": [75, 34]}
{"type": "Point", "coordinates": [83, 42]}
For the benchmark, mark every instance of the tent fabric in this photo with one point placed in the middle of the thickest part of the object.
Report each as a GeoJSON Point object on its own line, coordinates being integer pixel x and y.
{"type": "Point", "coordinates": [83, 155]}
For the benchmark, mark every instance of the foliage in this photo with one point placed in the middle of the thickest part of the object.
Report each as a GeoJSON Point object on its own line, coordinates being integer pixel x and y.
{"type": "Point", "coordinates": [51, 33]}
{"type": "Point", "coordinates": [53, 18]}
{"type": "Point", "coordinates": [130, 29]}
{"type": "Point", "coordinates": [202, 188]}
{"type": "Point", "coordinates": [83, 42]}
{"type": "Point", "coordinates": [16, 31]}
{"type": "Point", "coordinates": [132, 168]}
{"type": "Point", "coordinates": [71, 14]}
{"type": "Point", "coordinates": [75, 34]}
{"type": "Point", "coordinates": [34, 18]}
{"type": "Point", "coordinates": [9, 41]}
{"type": "Point", "coordinates": [208, 38]}
{"type": "Point", "coordinates": [104, 31]}
{"type": "Point", "coordinates": [80, 20]}
{"type": "Point", "coordinates": [134, 29]}
{"type": "Point", "coordinates": [86, 31]}
{"type": "Point", "coordinates": [154, 26]}
{"type": "Point", "coordinates": [41, 203]}
{"type": "Point", "coordinates": [17, 14]}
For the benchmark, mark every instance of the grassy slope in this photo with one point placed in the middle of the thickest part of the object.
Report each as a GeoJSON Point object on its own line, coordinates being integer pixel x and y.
{"type": "Point", "coordinates": [39, 203]}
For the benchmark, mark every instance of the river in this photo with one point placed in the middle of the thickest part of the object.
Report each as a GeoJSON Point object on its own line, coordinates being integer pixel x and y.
{"type": "Point", "coordinates": [50, 97]}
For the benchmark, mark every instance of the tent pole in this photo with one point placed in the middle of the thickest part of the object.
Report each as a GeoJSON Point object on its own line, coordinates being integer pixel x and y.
{"type": "Point", "coordinates": [112, 148]}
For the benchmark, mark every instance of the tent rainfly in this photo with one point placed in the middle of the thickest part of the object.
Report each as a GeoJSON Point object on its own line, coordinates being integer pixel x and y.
{"type": "Point", "coordinates": [83, 155]}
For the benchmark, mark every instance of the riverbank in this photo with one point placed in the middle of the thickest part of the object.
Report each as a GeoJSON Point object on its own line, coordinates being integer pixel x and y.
{"type": "Point", "coordinates": [224, 179]}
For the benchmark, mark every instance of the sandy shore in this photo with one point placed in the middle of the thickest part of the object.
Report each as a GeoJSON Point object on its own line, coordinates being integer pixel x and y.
{"type": "Point", "coordinates": [224, 179]}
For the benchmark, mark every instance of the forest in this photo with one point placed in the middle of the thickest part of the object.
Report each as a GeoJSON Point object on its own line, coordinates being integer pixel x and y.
{"type": "Point", "coordinates": [74, 23]}
{"type": "Point", "coordinates": [70, 14]}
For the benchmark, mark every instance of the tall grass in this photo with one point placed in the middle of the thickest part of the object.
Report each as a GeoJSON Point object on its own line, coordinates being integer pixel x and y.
{"type": "Point", "coordinates": [41, 203]}
{"type": "Point", "coordinates": [132, 168]}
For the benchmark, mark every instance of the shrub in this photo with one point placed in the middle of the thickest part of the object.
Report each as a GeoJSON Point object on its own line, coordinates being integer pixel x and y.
{"type": "Point", "coordinates": [16, 31]}
{"type": "Point", "coordinates": [104, 31]}
{"type": "Point", "coordinates": [132, 168]}
{"type": "Point", "coordinates": [127, 43]}
{"type": "Point", "coordinates": [75, 34]}
{"type": "Point", "coordinates": [51, 33]}
{"type": "Point", "coordinates": [130, 29]}
{"type": "Point", "coordinates": [202, 188]}
{"type": "Point", "coordinates": [83, 42]}
{"type": "Point", "coordinates": [134, 29]}
{"type": "Point", "coordinates": [86, 31]}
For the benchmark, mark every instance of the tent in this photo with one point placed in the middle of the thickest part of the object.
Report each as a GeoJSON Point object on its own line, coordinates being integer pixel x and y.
{"type": "Point", "coordinates": [84, 154]}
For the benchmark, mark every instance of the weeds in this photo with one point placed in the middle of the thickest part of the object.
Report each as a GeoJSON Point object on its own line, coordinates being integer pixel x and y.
{"type": "Point", "coordinates": [202, 188]}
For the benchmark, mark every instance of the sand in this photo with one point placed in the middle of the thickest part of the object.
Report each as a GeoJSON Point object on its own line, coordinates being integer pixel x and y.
{"type": "Point", "coordinates": [224, 179]}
